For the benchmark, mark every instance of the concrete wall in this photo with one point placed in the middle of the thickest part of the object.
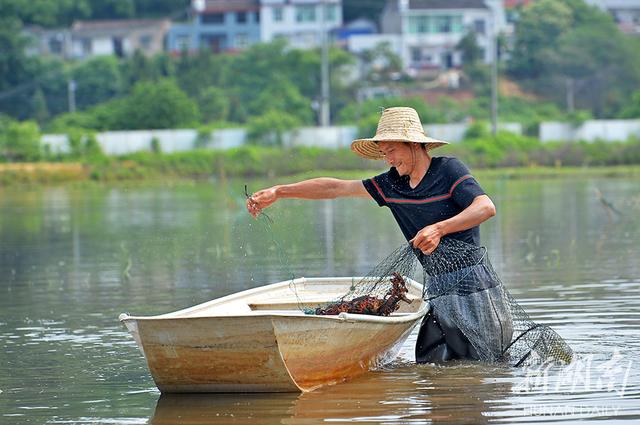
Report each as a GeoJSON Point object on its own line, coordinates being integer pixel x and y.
{"type": "Point", "coordinates": [123, 142]}
{"type": "Point", "coordinates": [455, 132]}
{"type": "Point", "coordinates": [591, 130]}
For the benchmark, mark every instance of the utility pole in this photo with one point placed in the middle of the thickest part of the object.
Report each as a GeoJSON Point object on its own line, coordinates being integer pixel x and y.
{"type": "Point", "coordinates": [71, 94]}
{"type": "Point", "coordinates": [324, 71]}
{"type": "Point", "coordinates": [494, 72]}
{"type": "Point", "coordinates": [570, 95]}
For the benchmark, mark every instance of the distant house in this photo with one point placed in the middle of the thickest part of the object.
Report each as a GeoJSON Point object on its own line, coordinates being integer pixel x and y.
{"type": "Point", "coordinates": [227, 25]}
{"type": "Point", "coordinates": [94, 38]}
{"type": "Point", "coordinates": [425, 33]}
{"type": "Point", "coordinates": [218, 25]}
{"type": "Point", "coordinates": [118, 37]}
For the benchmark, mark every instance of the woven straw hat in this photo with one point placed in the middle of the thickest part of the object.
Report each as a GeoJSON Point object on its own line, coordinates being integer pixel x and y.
{"type": "Point", "coordinates": [399, 124]}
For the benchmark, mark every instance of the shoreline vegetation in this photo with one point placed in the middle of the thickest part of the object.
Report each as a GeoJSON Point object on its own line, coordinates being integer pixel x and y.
{"type": "Point", "coordinates": [299, 163]}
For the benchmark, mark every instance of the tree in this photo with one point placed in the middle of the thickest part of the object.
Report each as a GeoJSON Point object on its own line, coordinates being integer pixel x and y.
{"type": "Point", "coordinates": [40, 110]}
{"type": "Point", "coordinates": [213, 104]}
{"type": "Point", "coordinates": [540, 25]}
{"type": "Point", "coordinates": [574, 53]}
{"type": "Point", "coordinates": [159, 104]}
{"type": "Point", "coordinates": [269, 128]}
{"type": "Point", "coordinates": [468, 46]}
{"type": "Point", "coordinates": [632, 110]}
{"type": "Point", "coordinates": [97, 80]}
{"type": "Point", "coordinates": [47, 13]}
{"type": "Point", "coordinates": [17, 73]}
{"type": "Point", "coordinates": [19, 141]}
{"type": "Point", "coordinates": [370, 9]}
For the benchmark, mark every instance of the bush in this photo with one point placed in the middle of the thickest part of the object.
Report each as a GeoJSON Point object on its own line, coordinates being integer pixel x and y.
{"type": "Point", "coordinates": [19, 141]}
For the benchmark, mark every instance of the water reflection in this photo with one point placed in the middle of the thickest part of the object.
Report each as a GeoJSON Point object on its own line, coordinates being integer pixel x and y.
{"type": "Point", "coordinates": [404, 394]}
{"type": "Point", "coordinates": [64, 252]}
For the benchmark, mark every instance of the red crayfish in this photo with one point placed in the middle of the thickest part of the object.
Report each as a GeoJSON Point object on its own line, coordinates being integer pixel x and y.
{"type": "Point", "coordinates": [367, 304]}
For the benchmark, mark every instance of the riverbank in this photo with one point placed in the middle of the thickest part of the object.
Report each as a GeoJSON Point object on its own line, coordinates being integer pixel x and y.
{"type": "Point", "coordinates": [275, 165]}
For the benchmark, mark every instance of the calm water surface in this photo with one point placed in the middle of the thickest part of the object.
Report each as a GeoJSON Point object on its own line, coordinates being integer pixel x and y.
{"type": "Point", "coordinates": [73, 259]}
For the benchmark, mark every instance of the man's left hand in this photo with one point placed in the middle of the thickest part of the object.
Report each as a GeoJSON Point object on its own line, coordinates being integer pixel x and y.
{"type": "Point", "coordinates": [427, 239]}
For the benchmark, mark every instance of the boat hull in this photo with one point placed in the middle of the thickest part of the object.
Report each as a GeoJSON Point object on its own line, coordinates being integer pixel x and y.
{"type": "Point", "coordinates": [265, 351]}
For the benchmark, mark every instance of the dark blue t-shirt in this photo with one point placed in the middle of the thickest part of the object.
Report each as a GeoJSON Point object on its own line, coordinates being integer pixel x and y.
{"type": "Point", "coordinates": [446, 189]}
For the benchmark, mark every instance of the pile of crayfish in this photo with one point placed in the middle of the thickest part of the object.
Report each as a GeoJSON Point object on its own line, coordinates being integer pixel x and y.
{"type": "Point", "coordinates": [371, 305]}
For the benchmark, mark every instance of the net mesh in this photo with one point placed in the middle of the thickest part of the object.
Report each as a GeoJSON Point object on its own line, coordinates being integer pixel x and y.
{"type": "Point", "coordinates": [462, 288]}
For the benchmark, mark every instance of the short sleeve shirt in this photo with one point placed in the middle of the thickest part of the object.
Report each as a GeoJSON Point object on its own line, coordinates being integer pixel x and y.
{"type": "Point", "coordinates": [446, 189]}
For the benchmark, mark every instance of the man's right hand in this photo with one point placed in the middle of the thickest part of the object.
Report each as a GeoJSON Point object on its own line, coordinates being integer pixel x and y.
{"type": "Point", "coordinates": [261, 200]}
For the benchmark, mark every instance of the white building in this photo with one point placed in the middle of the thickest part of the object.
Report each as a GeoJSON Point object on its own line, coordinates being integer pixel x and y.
{"type": "Point", "coordinates": [425, 33]}
{"type": "Point", "coordinates": [300, 22]}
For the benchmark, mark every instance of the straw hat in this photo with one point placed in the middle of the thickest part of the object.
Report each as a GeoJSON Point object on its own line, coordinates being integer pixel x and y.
{"type": "Point", "coordinates": [399, 124]}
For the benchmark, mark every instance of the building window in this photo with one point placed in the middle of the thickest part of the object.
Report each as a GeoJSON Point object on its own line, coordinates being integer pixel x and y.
{"type": "Point", "coordinates": [479, 26]}
{"type": "Point", "coordinates": [214, 42]}
{"type": "Point", "coordinates": [212, 18]}
{"type": "Point", "coordinates": [306, 13]}
{"type": "Point", "coordinates": [183, 42]}
{"type": "Point", "coordinates": [55, 45]}
{"type": "Point", "coordinates": [443, 24]}
{"type": "Point", "coordinates": [331, 12]}
{"type": "Point", "coordinates": [419, 24]}
{"type": "Point", "coordinates": [258, 17]}
{"type": "Point", "coordinates": [241, 17]}
{"type": "Point", "coordinates": [242, 40]}
{"type": "Point", "coordinates": [277, 14]}
{"type": "Point", "coordinates": [416, 54]}
{"type": "Point", "coordinates": [86, 46]}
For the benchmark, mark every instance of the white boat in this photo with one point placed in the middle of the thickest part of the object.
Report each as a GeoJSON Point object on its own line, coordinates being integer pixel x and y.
{"type": "Point", "coordinates": [261, 340]}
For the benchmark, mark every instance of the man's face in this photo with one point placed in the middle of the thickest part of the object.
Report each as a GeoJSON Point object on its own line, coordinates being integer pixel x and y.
{"type": "Point", "coordinates": [398, 155]}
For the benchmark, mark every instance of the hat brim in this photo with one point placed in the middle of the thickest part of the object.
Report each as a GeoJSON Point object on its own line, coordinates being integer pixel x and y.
{"type": "Point", "coordinates": [368, 148]}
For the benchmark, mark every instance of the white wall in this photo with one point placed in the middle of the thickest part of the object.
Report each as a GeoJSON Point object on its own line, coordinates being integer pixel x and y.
{"type": "Point", "coordinates": [591, 130]}
{"type": "Point", "coordinates": [123, 142]}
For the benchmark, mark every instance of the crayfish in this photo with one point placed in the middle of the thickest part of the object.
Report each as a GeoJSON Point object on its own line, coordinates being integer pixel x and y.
{"type": "Point", "coordinates": [367, 304]}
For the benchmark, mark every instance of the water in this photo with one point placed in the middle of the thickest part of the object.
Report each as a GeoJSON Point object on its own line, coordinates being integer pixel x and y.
{"type": "Point", "coordinates": [73, 259]}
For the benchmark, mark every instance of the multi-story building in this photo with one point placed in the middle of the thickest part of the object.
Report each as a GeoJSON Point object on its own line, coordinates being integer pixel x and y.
{"type": "Point", "coordinates": [223, 25]}
{"type": "Point", "coordinates": [300, 22]}
{"type": "Point", "coordinates": [425, 33]}
{"type": "Point", "coordinates": [217, 25]}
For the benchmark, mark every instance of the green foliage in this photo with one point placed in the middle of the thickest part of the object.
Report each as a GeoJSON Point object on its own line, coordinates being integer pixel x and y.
{"type": "Point", "coordinates": [566, 43]}
{"type": "Point", "coordinates": [60, 13]}
{"type": "Point", "coordinates": [269, 128]}
{"type": "Point", "coordinates": [382, 63]}
{"type": "Point", "coordinates": [83, 145]}
{"type": "Point", "coordinates": [159, 105]}
{"type": "Point", "coordinates": [468, 46]}
{"type": "Point", "coordinates": [19, 141]}
{"type": "Point", "coordinates": [97, 80]}
{"type": "Point", "coordinates": [213, 104]}
{"type": "Point", "coordinates": [47, 13]}
{"type": "Point", "coordinates": [155, 145]}
{"type": "Point", "coordinates": [632, 110]}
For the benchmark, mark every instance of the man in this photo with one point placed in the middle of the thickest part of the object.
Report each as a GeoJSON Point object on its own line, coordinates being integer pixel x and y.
{"type": "Point", "coordinates": [430, 198]}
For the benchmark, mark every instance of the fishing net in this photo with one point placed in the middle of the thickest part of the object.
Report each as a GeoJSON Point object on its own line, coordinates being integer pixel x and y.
{"type": "Point", "coordinates": [464, 291]}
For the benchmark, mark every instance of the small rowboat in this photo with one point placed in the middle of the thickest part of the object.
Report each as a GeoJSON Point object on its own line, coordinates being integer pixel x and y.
{"type": "Point", "coordinates": [260, 340]}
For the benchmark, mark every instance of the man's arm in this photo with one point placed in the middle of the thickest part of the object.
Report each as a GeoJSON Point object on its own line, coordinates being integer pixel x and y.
{"type": "Point", "coordinates": [479, 211]}
{"type": "Point", "coordinates": [319, 188]}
